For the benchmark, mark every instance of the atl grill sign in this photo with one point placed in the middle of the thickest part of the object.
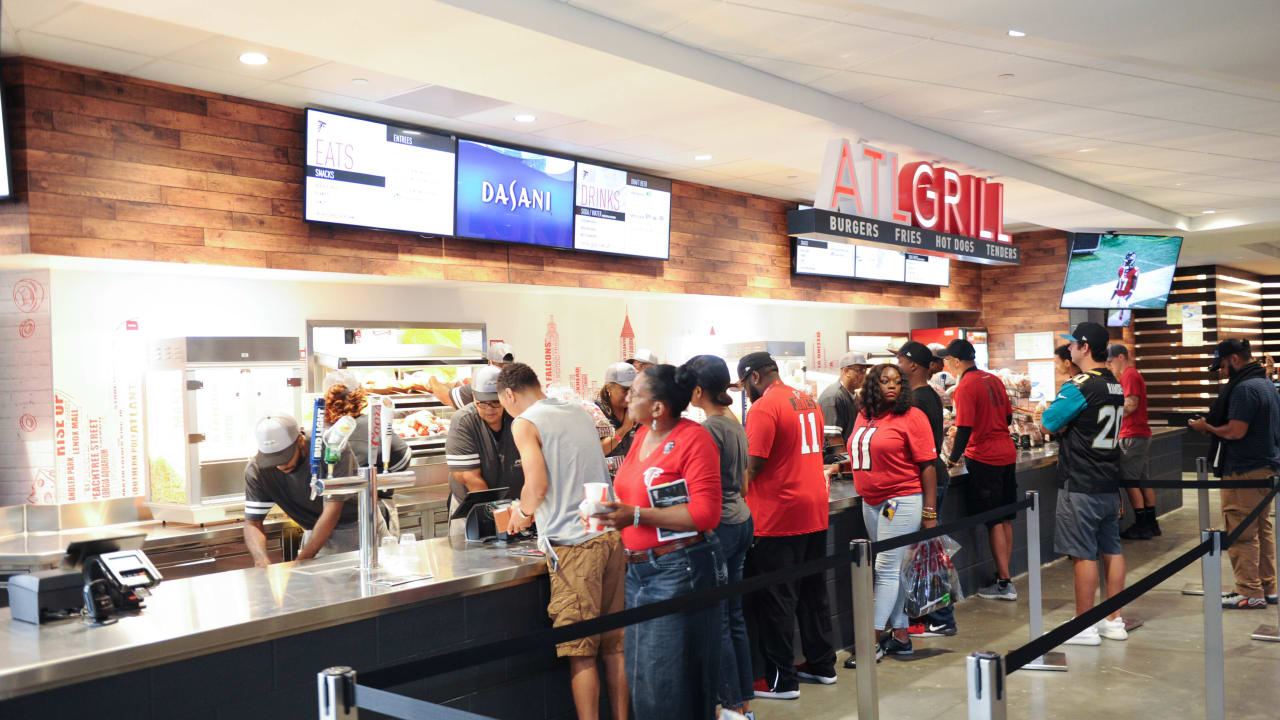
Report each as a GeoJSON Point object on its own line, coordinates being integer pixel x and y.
{"type": "Point", "coordinates": [866, 181]}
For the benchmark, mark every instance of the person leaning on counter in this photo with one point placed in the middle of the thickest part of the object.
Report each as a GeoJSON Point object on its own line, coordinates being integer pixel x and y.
{"type": "Point", "coordinates": [279, 474]}
{"type": "Point", "coordinates": [480, 451]}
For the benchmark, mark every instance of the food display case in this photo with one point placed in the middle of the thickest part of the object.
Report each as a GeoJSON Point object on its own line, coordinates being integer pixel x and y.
{"type": "Point", "coordinates": [203, 396]}
{"type": "Point", "coordinates": [405, 363]}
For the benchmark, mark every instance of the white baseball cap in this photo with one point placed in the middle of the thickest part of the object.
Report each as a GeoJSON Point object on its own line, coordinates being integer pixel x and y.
{"type": "Point", "coordinates": [644, 355]}
{"type": "Point", "coordinates": [852, 359]}
{"type": "Point", "coordinates": [500, 352]}
{"type": "Point", "coordinates": [341, 377]}
{"type": "Point", "coordinates": [484, 384]}
{"type": "Point", "coordinates": [621, 373]}
{"type": "Point", "coordinates": [276, 436]}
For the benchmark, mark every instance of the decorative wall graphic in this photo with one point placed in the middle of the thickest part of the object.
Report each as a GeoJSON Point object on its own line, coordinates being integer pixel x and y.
{"type": "Point", "coordinates": [551, 353]}
{"type": "Point", "coordinates": [44, 491]}
{"type": "Point", "coordinates": [580, 383]}
{"type": "Point", "coordinates": [28, 422]}
{"type": "Point", "coordinates": [819, 353]}
{"type": "Point", "coordinates": [627, 339]}
{"type": "Point", "coordinates": [28, 294]}
{"type": "Point", "coordinates": [26, 328]}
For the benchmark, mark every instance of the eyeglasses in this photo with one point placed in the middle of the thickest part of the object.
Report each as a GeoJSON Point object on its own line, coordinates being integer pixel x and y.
{"type": "Point", "coordinates": [489, 404]}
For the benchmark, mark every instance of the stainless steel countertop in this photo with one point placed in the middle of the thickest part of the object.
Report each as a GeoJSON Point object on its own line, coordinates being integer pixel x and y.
{"type": "Point", "coordinates": [210, 613]}
{"type": "Point", "coordinates": [45, 549]}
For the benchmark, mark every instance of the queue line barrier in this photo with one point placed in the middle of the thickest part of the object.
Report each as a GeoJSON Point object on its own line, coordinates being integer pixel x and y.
{"type": "Point", "coordinates": [987, 672]}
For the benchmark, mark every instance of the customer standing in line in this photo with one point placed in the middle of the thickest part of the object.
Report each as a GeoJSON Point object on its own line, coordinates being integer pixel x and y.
{"type": "Point", "coordinates": [669, 497]}
{"type": "Point", "coordinates": [916, 361]}
{"type": "Point", "coordinates": [895, 460]}
{"type": "Point", "coordinates": [790, 505]}
{"type": "Point", "coordinates": [983, 416]}
{"type": "Point", "coordinates": [613, 403]}
{"type": "Point", "coordinates": [1087, 413]}
{"type": "Point", "coordinates": [1244, 428]}
{"type": "Point", "coordinates": [560, 452]}
{"type": "Point", "coordinates": [1064, 368]}
{"type": "Point", "coordinates": [642, 359]}
{"type": "Point", "coordinates": [735, 528]}
{"type": "Point", "coordinates": [1135, 443]}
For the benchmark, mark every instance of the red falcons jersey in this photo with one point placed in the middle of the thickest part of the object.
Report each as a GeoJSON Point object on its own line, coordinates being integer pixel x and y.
{"type": "Point", "coordinates": [1128, 280]}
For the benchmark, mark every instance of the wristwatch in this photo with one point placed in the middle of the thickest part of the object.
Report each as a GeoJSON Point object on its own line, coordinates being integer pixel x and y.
{"type": "Point", "coordinates": [516, 506]}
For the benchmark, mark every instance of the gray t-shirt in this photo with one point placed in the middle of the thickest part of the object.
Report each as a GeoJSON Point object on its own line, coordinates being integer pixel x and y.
{"type": "Point", "coordinates": [472, 445]}
{"type": "Point", "coordinates": [265, 487]}
{"type": "Point", "coordinates": [839, 411]}
{"type": "Point", "coordinates": [731, 438]}
{"type": "Point", "coordinates": [571, 448]}
{"type": "Point", "coordinates": [1256, 402]}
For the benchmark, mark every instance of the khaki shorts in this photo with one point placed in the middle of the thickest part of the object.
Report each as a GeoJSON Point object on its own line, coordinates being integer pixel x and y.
{"type": "Point", "coordinates": [591, 582]}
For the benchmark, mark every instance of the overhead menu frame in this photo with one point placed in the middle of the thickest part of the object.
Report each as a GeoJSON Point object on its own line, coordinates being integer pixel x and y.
{"type": "Point", "coordinates": [837, 227]}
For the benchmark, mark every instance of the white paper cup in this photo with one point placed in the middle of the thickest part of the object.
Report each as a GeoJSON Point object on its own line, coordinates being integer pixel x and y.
{"type": "Point", "coordinates": [595, 493]}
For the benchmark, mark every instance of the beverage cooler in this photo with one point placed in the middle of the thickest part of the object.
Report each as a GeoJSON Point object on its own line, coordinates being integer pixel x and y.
{"type": "Point", "coordinates": [944, 336]}
{"type": "Point", "coordinates": [203, 397]}
{"type": "Point", "coordinates": [403, 362]}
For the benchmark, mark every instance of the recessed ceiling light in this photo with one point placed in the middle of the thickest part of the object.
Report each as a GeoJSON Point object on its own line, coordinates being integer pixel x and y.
{"type": "Point", "coordinates": [525, 118]}
{"type": "Point", "coordinates": [990, 112]}
{"type": "Point", "coordinates": [359, 81]}
{"type": "Point", "coordinates": [1006, 76]}
{"type": "Point", "coordinates": [1177, 184]}
{"type": "Point", "coordinates": [253, 58]}
{"type": "Point", "coordinates": [1208, 212]}
{"type": "Point", "coordinates": [1016, 33]}
{"type": "Point", "coordinates": [701, 157]}
{"type": "Point", "coordinates": [1086, 149]}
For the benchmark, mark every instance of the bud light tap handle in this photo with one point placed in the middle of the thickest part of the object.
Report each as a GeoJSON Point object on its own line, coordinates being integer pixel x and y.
{"type": "Point", "coordinates": [317, 439]}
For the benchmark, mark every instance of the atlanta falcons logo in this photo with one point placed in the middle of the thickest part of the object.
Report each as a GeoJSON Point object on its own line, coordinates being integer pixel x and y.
{"type": "Point", "coordinates": [652, 474]}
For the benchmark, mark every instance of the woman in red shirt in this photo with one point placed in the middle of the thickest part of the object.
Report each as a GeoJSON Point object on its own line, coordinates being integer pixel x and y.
{"type": "Point", "coordinates": [669, 499]}
{"type": "Point", "coordinates": [894, 458]}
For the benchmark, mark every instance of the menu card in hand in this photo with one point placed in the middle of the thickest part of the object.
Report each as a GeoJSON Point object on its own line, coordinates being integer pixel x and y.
{"type": "Point", "coordinates": [667, 495]}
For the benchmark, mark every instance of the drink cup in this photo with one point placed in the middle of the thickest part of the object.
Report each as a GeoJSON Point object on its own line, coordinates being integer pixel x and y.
{"type": "Point", "coordinates": [595, 494]}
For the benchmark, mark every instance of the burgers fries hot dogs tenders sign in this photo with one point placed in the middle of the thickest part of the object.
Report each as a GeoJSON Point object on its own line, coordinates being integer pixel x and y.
{"type": "Point", "coordinates": [865, 196]}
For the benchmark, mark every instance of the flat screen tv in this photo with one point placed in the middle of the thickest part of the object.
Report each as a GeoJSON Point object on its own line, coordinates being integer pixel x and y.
{"type": "Point", "coordinates": [378, 174]}
{"type": "Point", "coordinates": [514, 195]}
{"type": "Point", "coordinates": [1114, 270]}
{"type": "Point", "coordinates": [621, 212]}
{"type": "Point", "coordinates": [1119, 318]}
{"type": "Point", "coordinates": [833, 259]}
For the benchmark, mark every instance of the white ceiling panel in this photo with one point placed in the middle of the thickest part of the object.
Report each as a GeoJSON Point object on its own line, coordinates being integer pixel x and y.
{"type": "Point", "coordinates": [174, 73]}
{"type": "Point", "coordinates": [76, 52]}
{"type": "Point", "coordinates": [585, 132]}
{"type": "Point", "coordinates": [504, 117]}
{"type": "Point", "coordinates": [346, 80]}
{"type": "Point", "coordinates": [122, 31]}
{"type": "Point", "coordinates": [741, 29]}
{"type": "Point", "coordinates": [223, 54]}
{"type": "Point", "coordinates": [657, 16]}
{"type": "Point", "coordinates": [25, 14]}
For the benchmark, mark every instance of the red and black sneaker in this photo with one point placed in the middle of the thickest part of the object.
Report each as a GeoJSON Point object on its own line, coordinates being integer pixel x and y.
{"type": "Point", "coordinates": [808, 671]}
{"type": "Point", "coordinates": [765, 689]}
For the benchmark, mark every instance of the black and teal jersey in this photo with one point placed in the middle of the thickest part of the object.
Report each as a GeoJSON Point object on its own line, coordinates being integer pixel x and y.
{"type": "Point", "coordinates": [1086, 416]}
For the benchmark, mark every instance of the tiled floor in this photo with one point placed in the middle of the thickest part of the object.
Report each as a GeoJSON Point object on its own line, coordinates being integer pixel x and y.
{"type": "Point", "coordinates": [1158, 672]}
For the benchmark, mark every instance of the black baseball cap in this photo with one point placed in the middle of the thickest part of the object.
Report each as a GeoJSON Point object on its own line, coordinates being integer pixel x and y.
{"type": "Point", "coordinates": [1092, 333]}
{"type": "Point", "coordinates": [1227, 348]}
{"type": "Point", "coordinates": [959, 349]}
{"type": "Point", "coordinates": [754, 362]}
{"type": "Point", "coordinates": [712, 375]}
{"type": "Point", "coordinates": [917, 353]}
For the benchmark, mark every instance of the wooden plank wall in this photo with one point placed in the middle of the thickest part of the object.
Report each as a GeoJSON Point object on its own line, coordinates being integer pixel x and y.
{"type": "Point", "coordinates": [118, 167]}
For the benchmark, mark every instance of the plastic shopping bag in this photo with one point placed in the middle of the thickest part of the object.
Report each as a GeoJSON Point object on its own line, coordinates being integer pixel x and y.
{"type": "Point", "coordinates": [929, 577]}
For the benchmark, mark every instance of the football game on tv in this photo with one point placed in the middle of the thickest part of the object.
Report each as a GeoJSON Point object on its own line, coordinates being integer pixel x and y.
{"type": "Point", "coordinates": [1115, 271]}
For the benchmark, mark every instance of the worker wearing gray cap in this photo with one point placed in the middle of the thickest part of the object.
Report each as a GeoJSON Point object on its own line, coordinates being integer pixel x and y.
{"type": "Point", "coordinates": [839, 403]}
{"type": "Point", "coordinates": [458, 395]}
{"type": "Point", "coordinates": [480, 450]}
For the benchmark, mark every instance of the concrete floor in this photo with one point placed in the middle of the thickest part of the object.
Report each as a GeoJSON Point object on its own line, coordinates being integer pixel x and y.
{"type": "Point", "coordinates": [1158, 672]}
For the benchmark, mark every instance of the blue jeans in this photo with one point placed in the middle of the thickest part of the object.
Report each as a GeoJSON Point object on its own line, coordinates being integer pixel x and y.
{"type": "Point", "coordinates": [890, 594]}
{"type": "Point", "coordinates": [735, 655]}
{"type": "Point", "coordinates": [673, 662]}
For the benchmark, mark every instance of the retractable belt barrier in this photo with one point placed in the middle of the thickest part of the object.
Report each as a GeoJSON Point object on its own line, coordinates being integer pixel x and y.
{"type": "Point", "coordinates": [1260, 484]}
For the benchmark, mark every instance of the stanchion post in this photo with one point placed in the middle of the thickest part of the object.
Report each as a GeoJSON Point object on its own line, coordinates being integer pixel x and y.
{"type": "Point", "coordinates": [864, 628]}
{"type": "Point", "coordinates": [1050, 660]}
{"type": "Point", "coordinates": [1215, 694]}
{"type": "Point", "coordinates": [337, 693]}
{"type": "Point", "coordinates": [1202, 502]}
{"type": "Point", "coordinates": [1271, 633]}
{"type": "Point", "coordinates": [985, 686]}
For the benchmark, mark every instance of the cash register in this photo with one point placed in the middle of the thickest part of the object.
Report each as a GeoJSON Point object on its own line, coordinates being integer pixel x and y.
{"type": "Point", "coordinates": [101, 577]}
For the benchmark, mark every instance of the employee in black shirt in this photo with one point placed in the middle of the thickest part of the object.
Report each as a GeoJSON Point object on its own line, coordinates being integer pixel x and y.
{"type": "Point", "coordinates": [917, 362]}
{"type": "Point", "coordinates": [480, 450]}
{"type": "Point", "coordinates": [279, 474]}
{"type": "Point", "coordinates": [840, 406]}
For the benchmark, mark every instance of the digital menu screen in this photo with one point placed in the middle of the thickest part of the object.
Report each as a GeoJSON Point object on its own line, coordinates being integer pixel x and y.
{"type": "Point", "coordinates": [378, 174]}
{"type": "Point", "coordinates": [514, 195]}
{"type": "Point", "coordinates": [927, 269]}
{"type": "Point", "coordinates": [621, 212]}
{"type": "Point", "coordinates": [833, 259]}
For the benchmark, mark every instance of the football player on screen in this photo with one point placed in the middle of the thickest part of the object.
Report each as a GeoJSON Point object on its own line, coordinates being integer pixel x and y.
{"type": "Point", "coordinates": [1126, 282]}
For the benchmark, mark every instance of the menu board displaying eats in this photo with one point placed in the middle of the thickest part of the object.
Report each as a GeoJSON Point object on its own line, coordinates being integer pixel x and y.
{"type": "Point", "coordinates": [621, 212]}
{"type": "Point", "coordinates": [377, 174]}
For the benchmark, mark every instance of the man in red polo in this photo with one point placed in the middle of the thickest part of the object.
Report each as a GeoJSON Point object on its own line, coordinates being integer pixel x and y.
{"type": "Point", "coordinates": [983, 414]}
{"type": "Point", "coordinates": [789, 501]}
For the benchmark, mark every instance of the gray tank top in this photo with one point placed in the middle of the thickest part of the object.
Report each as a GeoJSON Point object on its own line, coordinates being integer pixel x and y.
{"type": "Point", "coordinates": [571, 446]}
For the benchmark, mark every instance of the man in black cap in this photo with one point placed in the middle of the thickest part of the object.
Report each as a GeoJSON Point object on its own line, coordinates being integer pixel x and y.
{"type": "Point", "coordinates": [916, 361]}
{"type": "Point", "coordinates": [1086, 414]}
{"type": "Point", "coordinates": [790, 508]}
{"type": "Point", "coordinates": [1244, 423]}
{"type": "Point", "coordinates": [983, 415]}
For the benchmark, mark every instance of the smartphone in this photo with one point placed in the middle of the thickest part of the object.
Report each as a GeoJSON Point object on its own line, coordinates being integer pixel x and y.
{"type": "Point", "coordinates": [890, 509]}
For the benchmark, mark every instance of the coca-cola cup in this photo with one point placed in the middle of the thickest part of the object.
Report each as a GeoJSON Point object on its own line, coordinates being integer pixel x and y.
{"type": "Point", "coordinates": [596, 494]}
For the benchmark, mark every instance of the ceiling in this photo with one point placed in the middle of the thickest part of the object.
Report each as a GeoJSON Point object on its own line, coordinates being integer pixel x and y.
{"type": "Point", "coordinates": [1143, 114]}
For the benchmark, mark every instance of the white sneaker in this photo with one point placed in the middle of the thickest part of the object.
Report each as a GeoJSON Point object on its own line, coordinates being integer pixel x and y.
{"type": "Point", "coordinates": [1112, 629]}
{"type": "Point", "coordinates": [1088, 636]}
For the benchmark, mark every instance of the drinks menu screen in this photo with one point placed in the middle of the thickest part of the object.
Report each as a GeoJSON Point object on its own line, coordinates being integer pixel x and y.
{"type": "Point", "coordinates": [374, 174]}
{"type": "Point", "coordinates": [621, 212]}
